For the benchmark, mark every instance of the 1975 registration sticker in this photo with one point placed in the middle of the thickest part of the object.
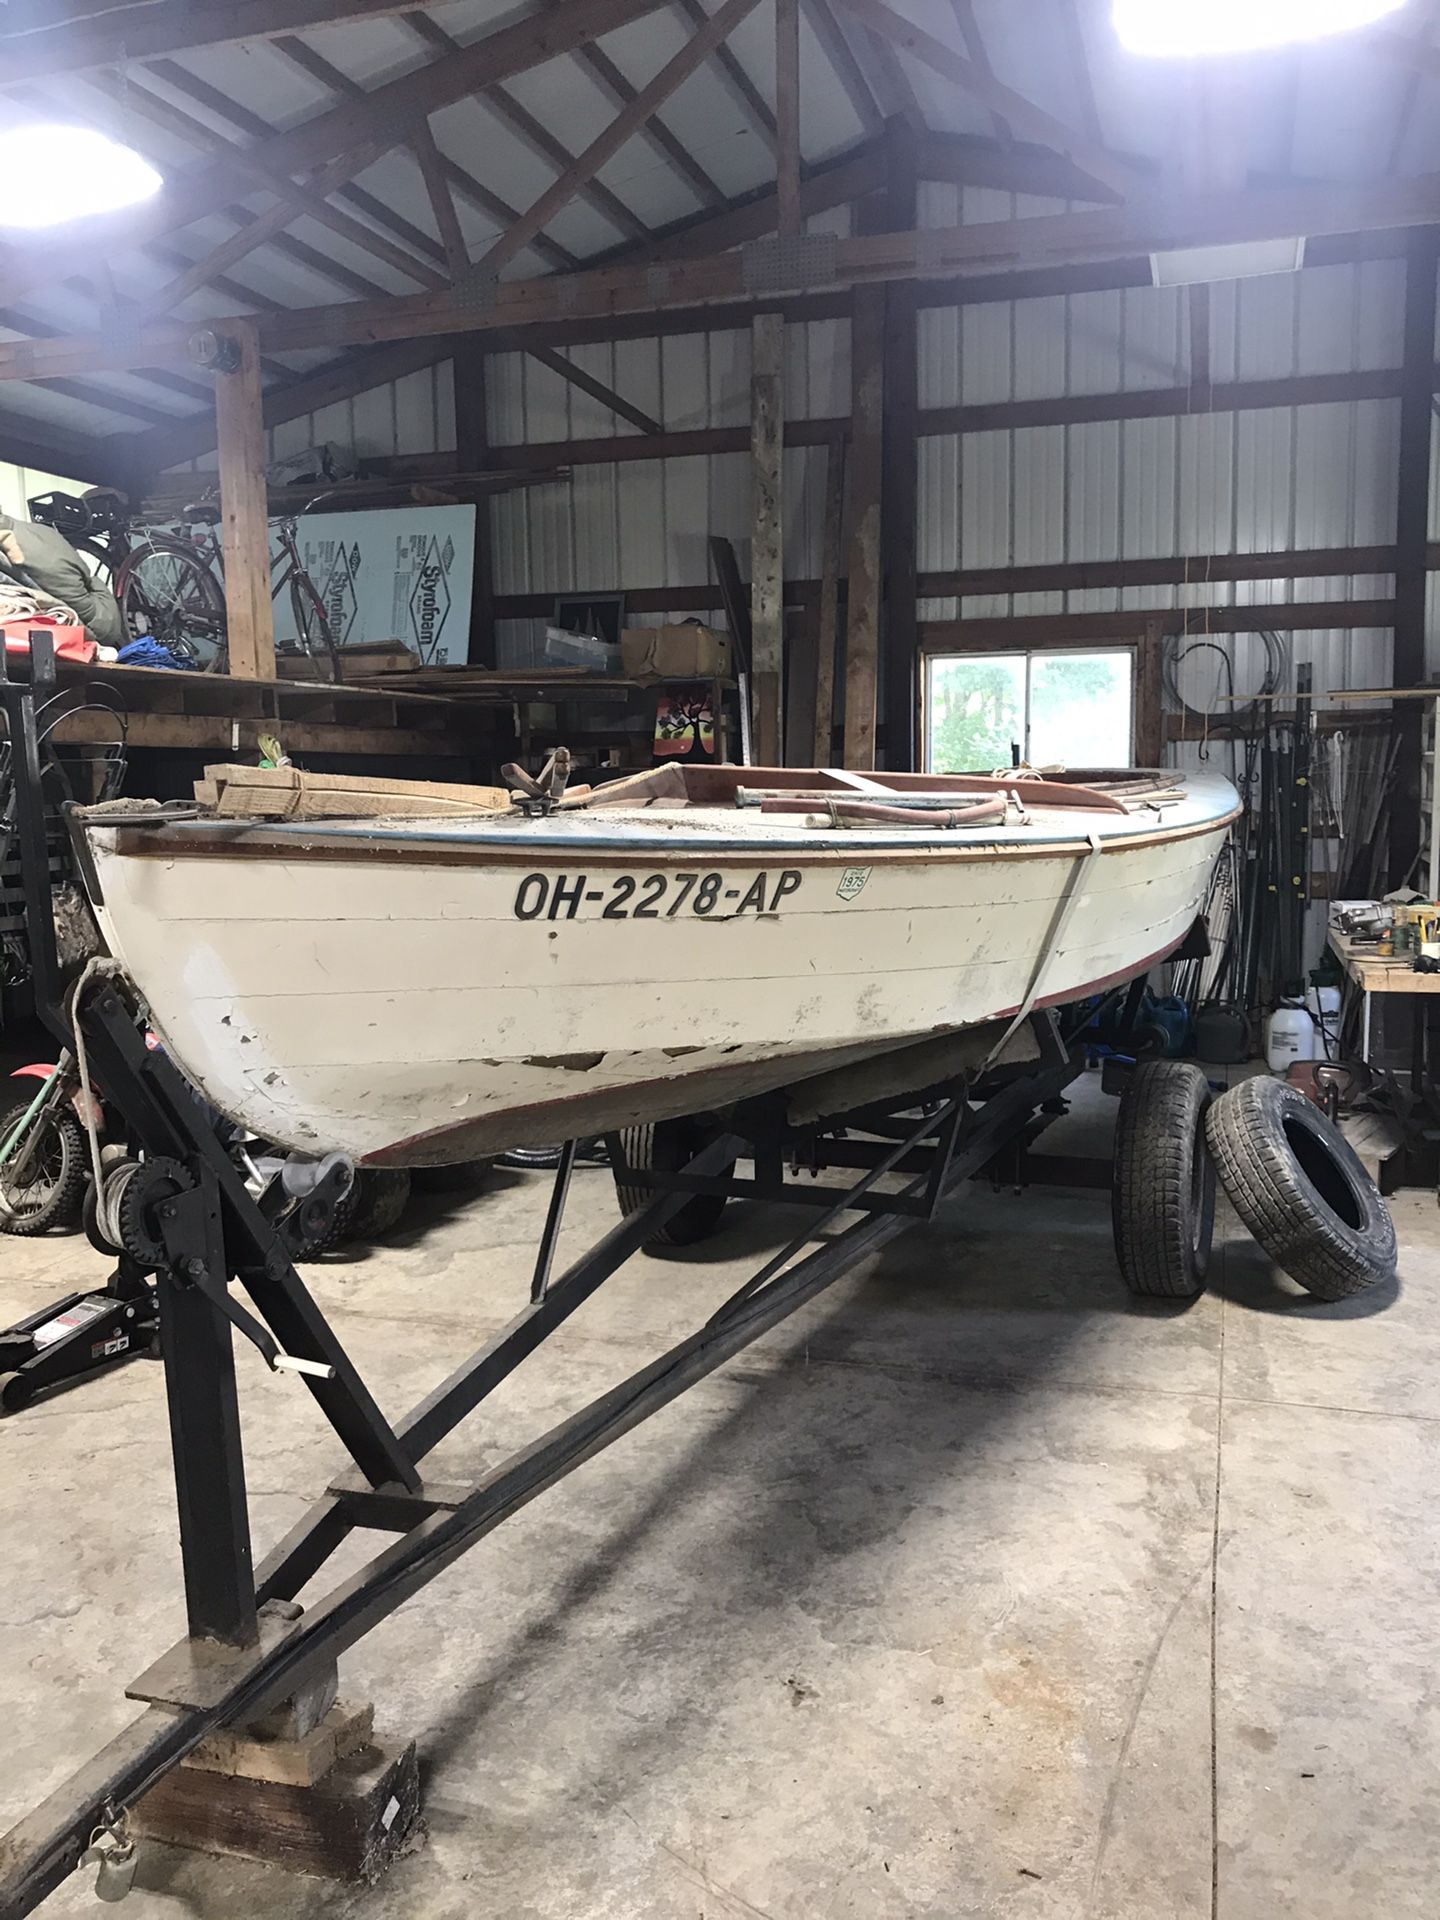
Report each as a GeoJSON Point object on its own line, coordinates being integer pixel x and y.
{"type": "Point", "coordinates": [653, 896]}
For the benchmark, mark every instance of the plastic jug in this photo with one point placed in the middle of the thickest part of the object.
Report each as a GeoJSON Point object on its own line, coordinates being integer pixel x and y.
{"type": "Point", "coordinates": [1289, 1036]}
{"type": "Point", "coordinates": [1323, 1006]}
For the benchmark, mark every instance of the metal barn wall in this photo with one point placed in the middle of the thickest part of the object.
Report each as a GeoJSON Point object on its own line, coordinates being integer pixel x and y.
{"type": "Point", "coordinates": [1289, 477]}
{"type": "Point", "coordinates": [647, 523]}
{"type": "Point", "coordinates": [1276, 479]}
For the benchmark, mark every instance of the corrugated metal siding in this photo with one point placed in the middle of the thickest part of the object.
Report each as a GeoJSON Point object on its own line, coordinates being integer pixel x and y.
{"type": "Point", "coordinates": [1255, 481]}
{"type": "Point", "coordinates": [643, 524]}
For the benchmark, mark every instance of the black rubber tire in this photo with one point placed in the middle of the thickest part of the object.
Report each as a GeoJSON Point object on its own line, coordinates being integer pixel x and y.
{"type": "Point", "coordinates": [1162, 1201]}
{"type": "Point", "coordinates": [379, 1196]}
{"type": "Point", "coordinates": [664, 1148]}
{"type": "Point", "coordinates": [67, 1162]}
{"type": "Point", "coordinates": [1296, 1182]}
{"type": "Point", "coordinates": [460, 1178]}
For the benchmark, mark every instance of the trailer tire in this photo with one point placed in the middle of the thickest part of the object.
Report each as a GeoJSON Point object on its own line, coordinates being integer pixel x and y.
{"type": "Point", "coordinates": [1163, 1193]}
{"type": "Point", "coordinates": [66, 1167]}
{"type": "Point", "coordinates": [664, 1147]}
{"type": "Point", "coordinates": [377, 1198]}
{"type": "Point", "coordinates": [1298, 1185]}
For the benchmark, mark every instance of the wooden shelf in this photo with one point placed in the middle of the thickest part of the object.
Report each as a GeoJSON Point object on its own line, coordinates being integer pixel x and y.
{"type": "Point", "coordinates": [209, 712]}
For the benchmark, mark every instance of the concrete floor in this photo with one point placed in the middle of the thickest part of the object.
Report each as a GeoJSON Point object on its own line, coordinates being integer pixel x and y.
{"type": "Point", "coordinates": [976, 1589]}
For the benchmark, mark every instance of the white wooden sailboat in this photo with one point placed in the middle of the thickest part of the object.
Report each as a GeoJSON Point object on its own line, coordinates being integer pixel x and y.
{"type": "Point", "coordinates": [417, 991]}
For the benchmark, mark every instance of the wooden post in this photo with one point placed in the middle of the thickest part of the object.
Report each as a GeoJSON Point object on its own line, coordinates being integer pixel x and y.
{"type": "Point", "coordinates": [1417, 388]}
{"type": "Point", "coordinates": [827, 617]}
{"type": "Point", "coordinates": [899, 536]}
{"type": "Point", "coordinates": [472, 455]}
{"type": "Point", "coordinates": [244, 526]}
{"type": "Point", "coordinates": [787, 113]}
{"type": "Point", "coordinates": [1149, 744]}
{"type": "Point", "coordinates": [867, 433]}
{"type": "Point", "coordinates": [767, 552]}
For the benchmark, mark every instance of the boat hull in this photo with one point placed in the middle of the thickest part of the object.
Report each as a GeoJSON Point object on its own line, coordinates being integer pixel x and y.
{"type": "Point", "coordinates": [416, 1001]}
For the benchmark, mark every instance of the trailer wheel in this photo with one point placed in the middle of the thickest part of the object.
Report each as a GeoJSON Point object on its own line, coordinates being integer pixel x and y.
{"type": "Point", "coordinates": [1163, 1197]}
{"type": "Point", "coordinates": [52, 1194]}
{"type": "Point", "coordinates": [1296, 1182]}
{"type": "Point", "coordinates": [664, 1148]}
{"type": "Point", "coordinates": [377, 1198]}
{"type": "Point", "coordinates": [462, 1177]}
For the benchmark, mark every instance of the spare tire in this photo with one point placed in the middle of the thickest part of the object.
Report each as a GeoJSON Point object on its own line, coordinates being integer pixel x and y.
{"type": "Point", "coordinates": [1163, 1194]}
{"type": "Point", "coordinates": [1295, 1181]}
{"type": "Point", "coordinates": [666, 1147]}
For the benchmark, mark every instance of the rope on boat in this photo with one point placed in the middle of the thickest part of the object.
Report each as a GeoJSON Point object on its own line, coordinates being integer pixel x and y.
{"type": "Point", "coordinates": [1064, 907]}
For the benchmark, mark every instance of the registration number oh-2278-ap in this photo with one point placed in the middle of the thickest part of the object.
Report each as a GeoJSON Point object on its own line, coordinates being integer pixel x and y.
{"type": "Point", "coordinates": [652, 896]}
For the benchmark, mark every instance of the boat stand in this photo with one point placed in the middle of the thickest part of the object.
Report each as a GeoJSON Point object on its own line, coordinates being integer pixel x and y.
{"type": "Point", "coordinates": [250, 1649]}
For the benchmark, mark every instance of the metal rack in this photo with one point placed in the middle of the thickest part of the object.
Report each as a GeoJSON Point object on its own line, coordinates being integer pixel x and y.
{"type": "Point", "coordinates": [204, 1239]}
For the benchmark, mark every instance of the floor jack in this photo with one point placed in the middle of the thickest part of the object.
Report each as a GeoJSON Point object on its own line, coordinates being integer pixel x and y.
{"type": "Point", "coordinates": [77, 1336]}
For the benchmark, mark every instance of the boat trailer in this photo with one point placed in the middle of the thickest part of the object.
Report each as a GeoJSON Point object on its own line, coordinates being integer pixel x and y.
{"type": "Point", "coordinates": [906, 1142]}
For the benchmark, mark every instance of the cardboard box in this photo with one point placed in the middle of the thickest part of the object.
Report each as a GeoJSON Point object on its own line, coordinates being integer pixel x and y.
{"type": "Point", "coordinates": [675, 653]}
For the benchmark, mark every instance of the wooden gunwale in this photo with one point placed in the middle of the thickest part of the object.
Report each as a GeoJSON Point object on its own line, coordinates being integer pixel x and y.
{"type": "Point", "coordinates": [251, 843]}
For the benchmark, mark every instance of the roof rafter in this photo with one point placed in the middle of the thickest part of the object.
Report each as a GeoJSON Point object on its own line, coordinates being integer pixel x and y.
{"type": "Point", "coordinates": [608, 143]}
{"type": "Point", "coordinates": [460, 180]}
{"type": "Point", "coordinates": [1099, 236]}
{"type": "Point", "coordinates": [386, 110]}
{"type": "Point", "coordinates": [417, 247]}
{"type": "Point", "coordinates": [756, 106]}
{"type": "Point", "coordinates": [285, 209]}
{"type": "Point", "coordinates": [975, 46]}
{"type": "Point", "coordinates": [848, 72]}
{"type": "Point", "coordinates": [108, 35]}
{"type": "Point", "coordinates": [138, 100]}
{"type": "Point", "coordinates": [536, 136]}
{"type": "Point", "coordinates": [656, 132]}
{"type": "Point", "coordinates": [1024, 116]}
{"type": "Point", "coordinates": [431, 163]}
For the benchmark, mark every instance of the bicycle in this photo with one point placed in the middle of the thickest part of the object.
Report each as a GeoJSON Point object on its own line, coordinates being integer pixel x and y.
{"type": "Point", "coordinates": [170, 584]}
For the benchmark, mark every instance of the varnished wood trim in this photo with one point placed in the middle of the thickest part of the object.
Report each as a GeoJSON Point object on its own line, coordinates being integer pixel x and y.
{"type": "Point", "coordinates": [246, 843]}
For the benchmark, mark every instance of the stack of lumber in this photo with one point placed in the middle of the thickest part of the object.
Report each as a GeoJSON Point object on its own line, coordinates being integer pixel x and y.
{"type": "Point", "coordinates": [289, 793]}
{"type": "Point", "coordinates": [363, 658]}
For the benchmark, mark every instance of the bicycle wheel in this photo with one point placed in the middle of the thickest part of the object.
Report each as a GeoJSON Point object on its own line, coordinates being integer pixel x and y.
{"type": "Point", "coordinates": [167, 589]}
{"type": "Point", "coordinates": [312, 622]}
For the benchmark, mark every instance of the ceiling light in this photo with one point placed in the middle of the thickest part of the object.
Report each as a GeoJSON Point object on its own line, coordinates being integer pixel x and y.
{"type": "Point", "coordinates": [1238, 260]}
{"type": "Point", "coordinates": [1184, 27]}
{"type": "Point", "coordinates": [55, 174]}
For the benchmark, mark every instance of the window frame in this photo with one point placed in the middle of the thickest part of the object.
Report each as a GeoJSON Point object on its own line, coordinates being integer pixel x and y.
{"type": "Point", "coordinates": [936, 655]}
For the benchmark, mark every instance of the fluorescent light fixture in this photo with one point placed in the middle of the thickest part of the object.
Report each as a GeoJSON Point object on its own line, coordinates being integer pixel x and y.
{"type": "Point", "coordinates": [56, 174]}
{"type": "Point", "coordinates": [1180, 28]}
{"type": "Point", "coordinates": [1242, 259]}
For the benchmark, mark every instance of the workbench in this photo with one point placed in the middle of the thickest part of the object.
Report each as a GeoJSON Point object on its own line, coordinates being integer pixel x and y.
{"type": "Point", "coordinates": [1368, 972]}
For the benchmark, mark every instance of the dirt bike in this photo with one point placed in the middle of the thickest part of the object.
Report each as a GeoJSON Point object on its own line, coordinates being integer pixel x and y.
{"type": "Point", "coordinates": [44, 1153]}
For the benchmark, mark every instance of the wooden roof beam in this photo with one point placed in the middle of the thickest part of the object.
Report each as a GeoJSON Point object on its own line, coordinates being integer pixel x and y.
{"type": "Point", "coordinates": [432, 170]}
{"type": "Point", "coordinates": [975, 160]}
{"type": "Point", "coordinates": [538, 137]}
{"type": "Point", "coordinates": [975, 47]}
{"type": "Point", "coordinates": [1016, 252]}
{"type": "Point", "coordinates": [608, 143]}
{"type": "Point", "coordinates": [411, 258]}
{"type": "Point", "coordinates": [140, 100]}
{"type": "Point", "coordinates": [88, 458]}
{"type": "Point", "coordinates": [109, 35]}
{"type": "Point", "coordinates": [655, 130]}
{"type": "Point", "coordinates": [458, 179]}
{"type": "Point", "coordinates": [752, 102]}
{"type": "Point", "coordinates": [1023, 115]}
{"type": "Point", "coordinates": [848, 71]}
{"type": "Point", "coordinates": [247, 238]}
{"type": "Point", "coordinates": [388, 110]}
